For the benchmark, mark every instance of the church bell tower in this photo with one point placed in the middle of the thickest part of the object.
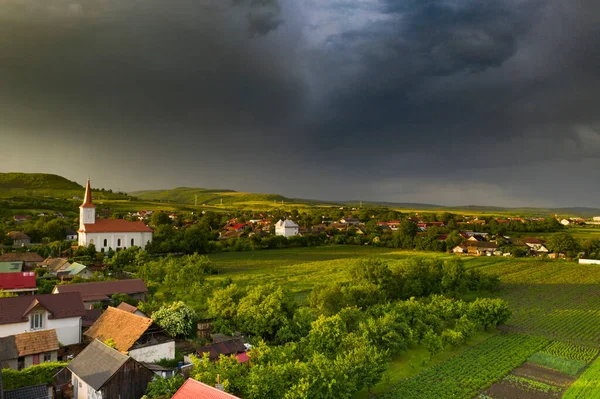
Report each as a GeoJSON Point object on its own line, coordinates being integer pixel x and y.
{"type": "Point", "coordinates": [87, 210]}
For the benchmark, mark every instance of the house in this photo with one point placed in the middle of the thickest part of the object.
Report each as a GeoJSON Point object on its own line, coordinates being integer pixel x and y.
{"type": "Point", "coordinates": [18, 238]}
{"type": "Point", "coordinates": [109, 233]}
{"type": "Point", "coordinates": [479, 248]}
{"type": "Point", "coordinates": [475, 233]}
{"type": "Point", "coordinates": [192, 389]}
{"type": "Point", "coordinates": [71, 235]}
{"type": "Point", "coordinates": [101, 372]}
{"type": "Point", "coordinates": [21, 283]}
{"type": "Point", "coordinates": [349, 221]}
{"type": "Point", "coordinates": [286, 228]}
{"type": "Point", "coordinates": [27, 349]}
{"type": "Point", "coordinates": [230, 347]}
{"type": "Point", "coordinates": [75, 269]}
{"type": "Point", "coordinates": [99, 292]}
{"type": "Point", "coordinates": [21, 218]}
{"type": "Point", "coordinates": [536, 245]}
{"type": "Point", "coordinates": [53, 265]}
{"type": "Point", "coordinates": [60, 312]}
{"type": "Point", "coordinates": [140, 337]}
{"type": "Point", "coordinates": [476, 237]}
{"type": "Point", "coordinates": [565, 222]}
{"type": "Point", "coordinates": [131, 309]}
{"type": "Point", "coordinates": [29, 259]}
{"type": "Point", "coordinates": [460, 249]}
{"type": "Point", "coordinates": [225, 235]}
{"type": "Point", "coordinates": [11, 267]}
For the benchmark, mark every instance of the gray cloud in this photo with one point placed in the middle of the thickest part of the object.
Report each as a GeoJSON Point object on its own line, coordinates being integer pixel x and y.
{"type": "Point", "coordinates": [443, 101]}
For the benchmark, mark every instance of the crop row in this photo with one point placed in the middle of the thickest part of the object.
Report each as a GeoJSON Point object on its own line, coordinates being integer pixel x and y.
{"type": "Point", "coordinates": [464, 375]}
{"type": "Point", "coordinates": [571, 351]}
{"type": "Point", "coordinates": [588, 384]}
{"type": "Point", "coordinates": [566, 366]}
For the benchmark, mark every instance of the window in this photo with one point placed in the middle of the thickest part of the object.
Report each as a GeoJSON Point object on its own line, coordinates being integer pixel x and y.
{"type": "Point", "coordinates": [132, 244]}
{"type": "Point", "coordinates": [105, 242]}
{"type": "Point", "coordinates": [37, 321]}
{"type": "Point", "coordinates": [118, 242]}
{"type": "Point", "coordinates": [47, 357]}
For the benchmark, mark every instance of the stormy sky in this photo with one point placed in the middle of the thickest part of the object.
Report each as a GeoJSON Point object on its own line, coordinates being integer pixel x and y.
{"type": "Point", "coordinates": [450, 102]}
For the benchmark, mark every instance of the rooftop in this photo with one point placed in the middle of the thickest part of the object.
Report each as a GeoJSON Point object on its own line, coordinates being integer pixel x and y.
{"type": "Point", "coordinates": [16, 309]}
{"type": "Point", "coordinates": [124, 328]}
{"type": "Point", "coordinates": [193, 389]}
{"type": "Point", "coordinates": [115, 226]}
{"type": "Point", "coordinates": [103, 290]}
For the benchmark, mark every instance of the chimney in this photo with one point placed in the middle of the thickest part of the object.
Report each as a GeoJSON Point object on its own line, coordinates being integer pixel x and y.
{"type": "Point", "coordinates": [219, 386]}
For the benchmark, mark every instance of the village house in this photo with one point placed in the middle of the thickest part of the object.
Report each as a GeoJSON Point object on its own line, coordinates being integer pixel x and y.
{"type": "Point", "coordinates": [286, 228]}
{"type": "Point", "coordinates": [28, 349]}
{"type": "Point", "coordinates": [21, 218]}
{"type": "Point", "coordinates": [131, 309]}
{"type": "Point", "coordinates": [29, 259]}
{"type": "Point", "coordinates": [60, 312]}
{"type": "Point", "coordinates": [479, 248]}
{"type": "Point", "coordinates": [74, 270]}
{"type": "Point", "coordinates": [20, 283]}
{"type": "Point", "coordinates": [140, 337]}
{"type": "Point", "coordinates": [18, 238]}
{"type": "Point", "coordinates": [71, 235]}
{"type": "Point", "coordinates": [102, 291]}
{"type": "Point", "coordinates": [101, 372]}
{"type": "Point", "coordinates": [536, 246]}
{"type": "Point", "coordinates": [349, 221]}
{"type": "Point", "coordinates": [192, 389]}
{"type": "Point", "coordinates": [233, 346]}
{"type": "Point", "coordinates": [109, 233]}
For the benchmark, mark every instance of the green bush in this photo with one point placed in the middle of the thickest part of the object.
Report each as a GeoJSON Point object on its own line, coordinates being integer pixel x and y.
{"type": "Point", "coordinates": [34, 375]}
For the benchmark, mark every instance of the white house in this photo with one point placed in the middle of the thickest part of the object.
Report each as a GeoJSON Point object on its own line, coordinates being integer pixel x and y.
{"type": "Point", "coordinates": [286, 228]}
{"type": "Point", "coordinates": [109, 233]}
{"type": "Point", "coordinates": [565, 222]}
{"type": "Point", "coordinates": [60, 312]}
{"type": "Point", "coordinates": [138, 336]}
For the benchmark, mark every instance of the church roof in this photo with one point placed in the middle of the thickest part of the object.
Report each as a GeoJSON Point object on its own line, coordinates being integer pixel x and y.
{"type": "Point", "coordinates": [115, 226]}
{"type": "Point", "coordinates": [87, 199]}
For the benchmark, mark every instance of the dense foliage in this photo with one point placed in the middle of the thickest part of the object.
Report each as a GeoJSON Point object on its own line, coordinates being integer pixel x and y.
{"type": "Point", "coordinates": [177, 319]}
{"type": "Point", "coordinates": [38, 374]}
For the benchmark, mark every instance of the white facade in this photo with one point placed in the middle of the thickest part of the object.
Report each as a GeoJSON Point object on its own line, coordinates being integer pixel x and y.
{"type": "Point", "coordinates": [286, 228]}
{"type": "Point", "coordinates": [589, 262]}
{"type": "Point", "coordinates": [104, 241]}
{"type": "Point", "coordinates": [81, 390]}
{"type": "Point", "coordinates": [68, 330]}
{"type": "Point", "coordinates": [153, 353]}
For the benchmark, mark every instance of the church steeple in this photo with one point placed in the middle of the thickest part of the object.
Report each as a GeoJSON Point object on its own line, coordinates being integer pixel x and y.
{"type": "Point", "coordinates": [87, 199]}
{"type": "Point", "coordinates": [87, 210]}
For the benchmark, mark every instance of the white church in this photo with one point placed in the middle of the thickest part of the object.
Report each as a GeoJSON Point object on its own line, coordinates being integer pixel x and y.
{"type": "Point", "coordinates": [109, 233]}
{"type": "Point", "coordinates": [286, 228]}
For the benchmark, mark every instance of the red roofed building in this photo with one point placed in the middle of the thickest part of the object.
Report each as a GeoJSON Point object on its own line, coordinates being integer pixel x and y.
{"type": "Point", "coordinates": [21, 283]}
{"type": "Point", "coordinates": [193, 389]}
{"type": "Point", "coordinates": [109, 233]}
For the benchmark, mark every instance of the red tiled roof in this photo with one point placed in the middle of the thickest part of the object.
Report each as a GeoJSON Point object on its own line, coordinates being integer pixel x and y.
{"type": "Point", "coordinates": [230, 347]}
{"type": "Point", "coordinates": [242, 357]}
{"type": "Point", "coordinates": [115, 226]}
{"type": "Point", "coordinates": [193, 389]}
{"type": "Point", "coordinates": [104, 289]}
{"type": "Point", "coordinates": [14, 310]}
{"type": "Point", "coordinates": [127, 307]}
{"type": "Point", "coordinates": [18, 280]}
{"type": "Point", "coordinates": [21, 257]}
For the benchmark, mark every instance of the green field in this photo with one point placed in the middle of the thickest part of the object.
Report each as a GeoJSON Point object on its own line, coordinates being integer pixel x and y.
{"type": "Point", "coordinates": [551, 301]}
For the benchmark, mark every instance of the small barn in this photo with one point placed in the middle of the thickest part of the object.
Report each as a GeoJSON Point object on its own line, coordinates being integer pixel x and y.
{"type": "Point", "coordinates": [101, 372]}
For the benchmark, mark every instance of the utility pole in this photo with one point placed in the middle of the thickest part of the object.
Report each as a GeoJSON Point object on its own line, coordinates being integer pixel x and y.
{"type": "Point", "coordinates": [196, 199]}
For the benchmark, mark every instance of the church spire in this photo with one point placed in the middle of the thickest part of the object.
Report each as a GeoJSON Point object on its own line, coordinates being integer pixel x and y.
{"type": "Point", "coordinates": [87, 199]}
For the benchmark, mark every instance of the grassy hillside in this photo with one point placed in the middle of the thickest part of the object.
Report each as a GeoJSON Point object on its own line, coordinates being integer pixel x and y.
{"type": "Point", "coordinates": [187, 195]}
{"type": "Point", "coordinates": [35, 181]}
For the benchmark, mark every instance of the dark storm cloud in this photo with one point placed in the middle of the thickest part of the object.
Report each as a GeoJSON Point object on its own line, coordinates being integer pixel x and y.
{"type": "Point", "coordinates": [441, 101]}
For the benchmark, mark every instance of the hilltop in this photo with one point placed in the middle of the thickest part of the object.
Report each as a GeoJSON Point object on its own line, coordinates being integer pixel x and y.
{"type": "Point", "coordinates": [36, 181]}
{"type": "Point", "coordinates": [206, 196]}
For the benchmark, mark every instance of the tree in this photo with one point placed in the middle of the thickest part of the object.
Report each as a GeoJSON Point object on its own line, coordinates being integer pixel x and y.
{"type": "Point", "coordinates": [5, 294]}
{"type": "Point", "coordinates": [164, 388]}
{"type": "Point", "coordinates": [489, 312]}
{"type": "Point", "coordinates": [177, 319]}
{"type": "Point", "coordinates": [562, 243]}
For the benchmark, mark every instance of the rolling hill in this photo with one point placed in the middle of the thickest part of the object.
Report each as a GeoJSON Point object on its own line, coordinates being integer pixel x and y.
{"type": "Point", "coordinates": [189, 195]}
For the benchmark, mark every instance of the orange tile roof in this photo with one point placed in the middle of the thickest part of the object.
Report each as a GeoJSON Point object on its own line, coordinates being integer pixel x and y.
{"type": "Point", "coordinates": [31, 343]}
{"type": "Point", "coordinates": [115, 226]}
{"type": "Point", "coordinates": [122, 327]}
{"type": "Point", "coordinates": [193, 389]}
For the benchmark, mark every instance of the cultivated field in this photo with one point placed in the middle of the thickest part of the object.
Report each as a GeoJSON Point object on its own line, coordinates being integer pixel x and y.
{"type": "Point", "coordinates": [544, 351]}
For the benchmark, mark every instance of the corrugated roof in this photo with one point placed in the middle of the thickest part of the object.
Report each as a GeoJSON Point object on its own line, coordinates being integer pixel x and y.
{"type": "Point", "coordinates": [11, 267]}
{"type": "Point", "coordinates": [21, 281]}
{"type": "Point", "coordinates": [103, 289]}
{"type": "Point", "coordinates": [14, 310]}
{"type": "Point", "coordinates": [97, 363]}
{"type": "Point", "coordinates": [30, 343]}
{"type": "Point", "coordinates": [122, 327]}
{"type": "Point", "coordinates": [74, 269]}
{"type": "Point", "coordinates": [21, 256]}
{"type": "Point", "coordinates": [193, 389]}
{"type": "Point", "coordinates": [115, 226]}
{"type": "Point", "coordinates": [31, 392]}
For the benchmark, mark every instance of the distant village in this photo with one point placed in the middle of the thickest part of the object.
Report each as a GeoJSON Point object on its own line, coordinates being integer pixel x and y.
{"type": "Point", "coordinates": [114, 350]}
